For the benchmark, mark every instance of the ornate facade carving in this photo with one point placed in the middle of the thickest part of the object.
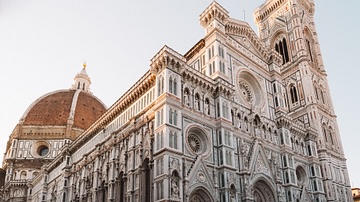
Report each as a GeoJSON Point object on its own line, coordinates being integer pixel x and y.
{"type": "Point", "coordinates": [184, 133]}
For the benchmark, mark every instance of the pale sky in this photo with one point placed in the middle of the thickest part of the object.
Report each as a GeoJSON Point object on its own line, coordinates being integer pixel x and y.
{"type": "Point", "coordinates": [44, 43]}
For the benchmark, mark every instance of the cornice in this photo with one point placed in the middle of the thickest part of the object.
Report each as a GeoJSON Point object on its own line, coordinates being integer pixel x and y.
{"type": "Point", "coordinates": [136, 91]}
{"type": "Point", "coordinates": [267, 9]}
{"type": "Point", "coordinates": [167, 58]}
{"type": "Point", "coordinates": [195, 49]}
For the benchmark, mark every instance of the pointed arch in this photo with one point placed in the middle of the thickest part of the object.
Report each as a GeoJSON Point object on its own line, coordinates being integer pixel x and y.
{"type": "Point", "coordinates": [145, 181]}
{"type": "Point", "coordinates": [120, 187]}
{"type": "Point", "coordinates": [293, 93]}
{"type": "Point", "coordinates": [279, 43]}
{"type": "Point", "coordinates": [310, 44]}
{"type": "Point", "coordinates": [200, 194]}
{"type": "Point", "coordinates": [264, 190]}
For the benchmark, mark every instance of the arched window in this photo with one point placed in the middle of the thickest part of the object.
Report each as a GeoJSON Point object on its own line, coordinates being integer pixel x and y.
{"type": "Point", "coordinates": [120, 188]}
{"type": "Point", "coordinates": [102, 196]}
{"type": "Point", "coordinates": [64, 197]}
{"type": "Point", "coordinates": [315, 185]}
{"type": "Point", "coordinates": [286, 53]}
{"type": "Point", "coordinates": [324, 133]}
{"type": "Point", "coordinates": [145, 181]}
{"type": "Point", "coordinates": [322, 95]}
{"type": "Point", "coordinates": [308, 45]}
{"type": "Point", "coordinates": [35, 174]}
{"type": "Point", "coordinates": [171, 114]}
{"type": "Point", "coordinates": [289, 195]}
{"type": "Point", "coordinates": [175, 117]}
{"type": "Point", "coordinates": [23, 175]}
{"type": "Point", "coordinates": [293, 94]}
{"type": "Point", "coordinates": [276, 102]}
{"type": "Point", "coordinates": [78, 87]}
{"type": "Point", "coordinates": [173, 140]}
{"type": "Point", "coordinates": [286, 177]}
{"type": "Point", "coordinates": [83, 87]}
{"type": "Point", "coordinates": [160, 85]}
{"type": "Point", "coordinates": [175, 87]}
{"type": "Point", "coordinates": [171, 85]}
{"type": "Point", "coordinates": [316, 92]}
{"type": "Point", "coordinates": [159, 140]}
{"type": "Point", "coordinates": [160, 190]}
{"type": "Point", "coordinates": [331, 136]}
{"type": "Point", "coordinates": [210, 69]}
{"type": "Point", "coordinates": [225, 110]}
{"type": "Point", "coordinates": [281, 48]}
{"type": "Point", "coordinates": [284, 161]}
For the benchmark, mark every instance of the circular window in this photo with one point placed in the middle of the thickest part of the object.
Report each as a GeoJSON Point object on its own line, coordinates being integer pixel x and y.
{"type": "Point", "coordinates": [43, 150]}
{"type": "Point", "coordinates": [197, 141]}
{"type": "Point", "coordinates": [300, 175]}
{"type": "Point", "coordinates": [248, 89]}
{"type": "Point", "coordinates": [194, 143]}
{"type": "Point", "coordinates": [40, 149]}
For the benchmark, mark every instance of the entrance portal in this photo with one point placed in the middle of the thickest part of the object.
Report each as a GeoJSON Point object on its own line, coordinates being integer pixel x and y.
{"type": "Point", "coordinates": [199, 195]}
{"type": "Point", "coordinates": [262, 192]}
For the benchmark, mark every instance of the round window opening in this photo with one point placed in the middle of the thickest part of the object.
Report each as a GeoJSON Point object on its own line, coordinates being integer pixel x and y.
{"type": "Point", "coordinates": [195, 143]}
{"type": "Point", "coordinates": [300, 175]}
{"type": "Point", "coordinates": [249, 89]}
{"type": "Point", "coordinates": [43, 150]}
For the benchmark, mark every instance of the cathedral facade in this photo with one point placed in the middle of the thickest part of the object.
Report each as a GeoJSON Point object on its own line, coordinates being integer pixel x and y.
{"type": "Point", "coordinates": [239, 117]}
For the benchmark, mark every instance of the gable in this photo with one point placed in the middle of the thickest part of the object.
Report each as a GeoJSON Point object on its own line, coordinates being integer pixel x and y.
{"type": "Point", "coordinates": [245, 42]}
{"type": "Point", "coordinates": [259, 163]}
{"type": "Point", "coordinates": [243, 33]}
{"type": "Point", "coordinates": [200, 177]}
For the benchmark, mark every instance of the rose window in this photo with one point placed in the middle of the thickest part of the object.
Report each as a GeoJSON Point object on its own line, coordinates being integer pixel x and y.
{"type": "Point", "coordinates": [249, 90]}
{"type": "Point", "coordinates": [194, 143]}
{"type": "Point", "coordinates": [246, 91]}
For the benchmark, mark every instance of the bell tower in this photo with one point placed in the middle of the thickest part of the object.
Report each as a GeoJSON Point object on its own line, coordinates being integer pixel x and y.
{"type": "Point", "coordinates": [287, 27]}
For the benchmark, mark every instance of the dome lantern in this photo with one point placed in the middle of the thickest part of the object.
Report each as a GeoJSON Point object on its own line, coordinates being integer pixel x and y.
{"type": "Point", "coordinates": [82, 80]}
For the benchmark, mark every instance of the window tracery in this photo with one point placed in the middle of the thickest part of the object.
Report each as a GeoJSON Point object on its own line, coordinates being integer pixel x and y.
{"type": "Point", "coordinates": [246, 91]}
{"type": "Point", "coordinates": [172, 85]}
{"type": "Point", "coordinates": [160, 85]}
{"type": "Point", "coordinates": [282, 49]}
{"type": "Point", "coordinates": [173, 139]}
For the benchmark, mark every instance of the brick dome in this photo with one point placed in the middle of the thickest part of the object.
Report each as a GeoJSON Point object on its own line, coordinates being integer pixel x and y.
{"type": "Point", "coordinates": [60, 108]}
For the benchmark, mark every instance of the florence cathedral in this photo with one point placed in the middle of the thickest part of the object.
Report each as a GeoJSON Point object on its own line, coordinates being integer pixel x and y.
{"type": "Point", "coordinates": [239, 117]}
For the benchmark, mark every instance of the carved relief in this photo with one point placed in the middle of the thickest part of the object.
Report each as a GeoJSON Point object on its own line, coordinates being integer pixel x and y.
{"type": "Point", "coordinates": [260, 167]}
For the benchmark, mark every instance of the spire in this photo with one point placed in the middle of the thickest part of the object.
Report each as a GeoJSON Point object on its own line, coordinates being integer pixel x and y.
{"type": "Point", "coordinates": [82, 80]}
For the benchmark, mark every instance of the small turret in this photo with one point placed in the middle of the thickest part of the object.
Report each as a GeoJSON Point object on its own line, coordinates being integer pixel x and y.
{"type": "Point", "coordinates": [214, 16]}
